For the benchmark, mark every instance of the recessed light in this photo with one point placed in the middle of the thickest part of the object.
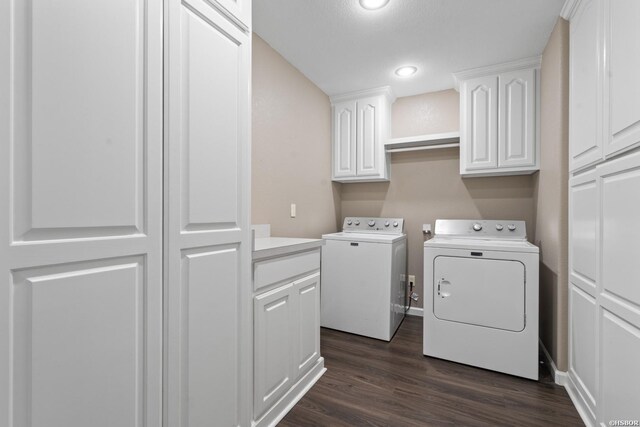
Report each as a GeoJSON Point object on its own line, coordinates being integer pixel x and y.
{"type": "Point", "coordinates": [373, 4]}
{"type": "Point", "coordinates": [406, 71]}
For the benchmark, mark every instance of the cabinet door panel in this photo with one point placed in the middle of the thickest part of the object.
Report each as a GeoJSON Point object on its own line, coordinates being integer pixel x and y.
{"type": "Point", "coordinates": [307, 340]}
{"type": "Point", "coordinates": [620, 198]}
{"type": "Point", "coordinates": [344, 139]}
{"type": "Point", "coordinates": [620, 370]}
{"type": "Point", "coordinates": [211, 336]}
{"type": "Point", "coordinates": [623, 72]}
{"type": "Point", "coordinates": [583, 231]}
{"type": "Point", "coordinates": [517, 120]}
{"type": "Point", "coordinates": [273, 341]}
{"type": "Point", "coordinates": [585, 141]}
{"type": "Point", "coordinates": [208, 249]}
{"type": "Point", "coordinates": [479, 124]}
{"type": "Point", "coordinates": [81, 213]}
{"type": "Point", "coordinates": [368, 134]}
{"type": "Point", "coordinates": [582, 348]}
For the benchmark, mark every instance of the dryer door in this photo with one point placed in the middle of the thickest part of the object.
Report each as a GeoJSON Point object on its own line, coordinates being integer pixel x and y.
{"type": "Point", "coordinates": [478, 291]}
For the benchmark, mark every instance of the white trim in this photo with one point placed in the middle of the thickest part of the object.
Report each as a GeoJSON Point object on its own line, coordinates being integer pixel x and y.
{"type": "Point", "coordinates": [282, 407]}
{"type": "Point", "coordinates": [520, 64]}
{"type": "Point", "coordinates": [569, 9]}
{"type": "Point", "coordinates": [580, 405]}
{"type": "Point", "coordinates": [436, 140]}
{"type": "Point", "coordinates": [563, 378]}
{"type": "Point", "coordinates": [385, 90]}
{"type": "Point", "coordinates": [559, 377]}
{"type": "Point", "coordinates": [229, 15]}
{"type": "Point", "coordinates": [423, 147]}
{"type": "Point", "coordinates": [416, 311]}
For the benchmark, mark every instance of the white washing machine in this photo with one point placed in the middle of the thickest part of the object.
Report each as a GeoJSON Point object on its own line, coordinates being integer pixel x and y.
{"type": "Point", "coordinates": [481, 296]}
{"type": "Point", "coordinates": [364, 288]}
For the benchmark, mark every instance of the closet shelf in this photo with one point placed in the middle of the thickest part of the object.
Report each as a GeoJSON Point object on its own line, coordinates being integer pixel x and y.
{"type": "Point", "coordinates": [423, 142]}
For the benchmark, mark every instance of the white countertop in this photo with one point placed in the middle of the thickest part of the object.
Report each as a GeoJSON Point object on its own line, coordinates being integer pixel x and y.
{"type": "Point", "coordinates": [266, 247]}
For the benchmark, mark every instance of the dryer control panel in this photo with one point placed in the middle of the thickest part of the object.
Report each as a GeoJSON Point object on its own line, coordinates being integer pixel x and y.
{"type": "Point", "coordinates": [358, 224]}
{"type": "Point", "coordinates": [481, 229]}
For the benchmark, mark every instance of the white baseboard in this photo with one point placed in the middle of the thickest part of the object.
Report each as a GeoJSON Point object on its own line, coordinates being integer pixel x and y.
{"type": "Point", "coordinates": [277, 412]}
{"type": "Point", "coordinates": [560, 377]}
{"type": "Point", "coordinates": [415, 311]}
{"type": "Point", "coordinates": [583, 410]}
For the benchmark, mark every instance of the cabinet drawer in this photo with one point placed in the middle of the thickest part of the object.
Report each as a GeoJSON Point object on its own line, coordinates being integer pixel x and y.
{"type": "Point", "coordinates": [278, 269]}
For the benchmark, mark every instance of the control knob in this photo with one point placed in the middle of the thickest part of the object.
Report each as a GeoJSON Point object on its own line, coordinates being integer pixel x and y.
{"type": "Point", "coordinates": [395, 223]}
{"type": "Point", "coordinates": [372, 223]}
{"type": "Point", "coordinates": [357, 222]}
{"type": "Point", "coordinates": [499, 227]}
{"type": "Point", "coordinates": [477, 226]}
{"type": "Point", "coordinates": [386, 223]}
{"type": "Point", "coordinates": [511, 227]}
{"type": "Point", "coordinates": [349, 222]}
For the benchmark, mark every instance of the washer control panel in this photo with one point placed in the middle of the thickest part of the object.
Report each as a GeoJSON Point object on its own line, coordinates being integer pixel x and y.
{"type": "Point", "coordinates": [374, 225]}
{"type": "Point", "coordinates": [483, 229]}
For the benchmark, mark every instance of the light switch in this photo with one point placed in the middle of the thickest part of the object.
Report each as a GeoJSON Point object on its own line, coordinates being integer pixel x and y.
{"type": "Point", "coordinates": [293, 210]}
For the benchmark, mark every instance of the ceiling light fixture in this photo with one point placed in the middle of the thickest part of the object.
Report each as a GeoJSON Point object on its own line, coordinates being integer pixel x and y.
{"type": "Point", "coordinates": [406, 71]}
{"type": "Point", "coordinates": [373, 4]}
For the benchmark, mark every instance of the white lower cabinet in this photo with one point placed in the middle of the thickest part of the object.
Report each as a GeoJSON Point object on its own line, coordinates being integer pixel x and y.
{"type": "Point", "coordinates": [274, 334]}
{"type": "Point", "coordinates": [307, 320]}
{"type": "Point", "coordinates": [287, 358]}
{"type": "Point", "coordinates": [604, 295]}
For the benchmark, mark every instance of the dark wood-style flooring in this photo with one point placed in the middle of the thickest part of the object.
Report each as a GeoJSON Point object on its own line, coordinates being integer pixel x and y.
{"type": "Point", "coordinates": [374, 383]}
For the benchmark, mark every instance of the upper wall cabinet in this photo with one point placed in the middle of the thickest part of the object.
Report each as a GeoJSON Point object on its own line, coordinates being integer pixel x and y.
{"type": "Point", "coordinates": [622, 41]}
{"type": "Point", "coordinates": [498, 119]}
{"type": "Point", "coordinates": [584, 87]}
{"type": "Point", "coordinates": [604, 89]}
{"type": "Point", "coordinates": [361, 126]}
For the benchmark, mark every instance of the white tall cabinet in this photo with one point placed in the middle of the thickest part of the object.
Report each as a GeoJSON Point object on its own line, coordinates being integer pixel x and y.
{"type": "Point", "coordinates": [80, 213]}
{"type": "Point", "coordinates": [604, 207]}
{"type": "Point", "coordinates": [124, 213]}
{"type": "Point", "coordinates": [207, 234]}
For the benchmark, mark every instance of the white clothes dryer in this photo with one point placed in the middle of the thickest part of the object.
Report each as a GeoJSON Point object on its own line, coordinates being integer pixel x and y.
{"type": "Point", "coordinates": [481, 296]}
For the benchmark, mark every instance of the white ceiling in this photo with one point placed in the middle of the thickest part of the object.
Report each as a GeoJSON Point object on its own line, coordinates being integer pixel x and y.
{"type": "Point", "coordinates": [342, 47]}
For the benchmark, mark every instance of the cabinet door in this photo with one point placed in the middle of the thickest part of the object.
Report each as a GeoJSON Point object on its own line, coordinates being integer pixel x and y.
{"type": "Point", "coordinates": [584, 207]}
{"type": "Point", "coordinates": [274, 326]}
{"type": "Point", "coordinates": [585, 141]}
{"type": "Point", "coordinates": [344, 139]}
{"type": "Point", "coordinates": [80, 213]}
{"type": "Point", "coordinates": [208, 249]}
{"type": "Point", "coordinates": [619, 297]}
{"type": "Point", "coordinates": [624, 75]}
{"type": "Point", "coordinates": [517, 119]}
{"type": "Point", "coordinates": [479, 124]}
{"type": "Point", "coordinates": [307, 322]}
{"type": "Point", "coordinates": [369, 145]}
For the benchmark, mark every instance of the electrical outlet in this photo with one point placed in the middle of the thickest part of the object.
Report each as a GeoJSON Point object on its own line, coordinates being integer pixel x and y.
{"type": "Point", "coordinates": [412, 281]}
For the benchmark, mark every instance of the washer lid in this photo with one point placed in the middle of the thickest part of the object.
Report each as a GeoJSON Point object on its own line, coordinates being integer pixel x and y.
{"type": "Point", "coordinates": [365, 237]}
{"type": "Point", "coordinates": [482, 244]}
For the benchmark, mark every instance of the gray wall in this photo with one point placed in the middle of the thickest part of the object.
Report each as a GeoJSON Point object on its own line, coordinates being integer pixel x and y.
{"type": "Point", "coordinates": [291, 149]}
{"type": "Point", "coordinates": [551, 194]}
